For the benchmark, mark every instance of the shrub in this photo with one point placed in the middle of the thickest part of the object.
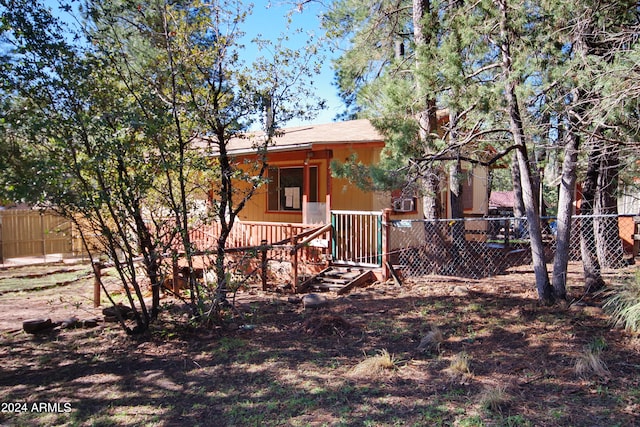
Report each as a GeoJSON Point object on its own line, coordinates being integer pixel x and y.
{"type": "Point", "coordinates": [623, 305]}
{"type": "Point", "coordinates": [431, 341]}
{"type": "Point", "coordinates": [495, 399]}
{"type": "Point", "coordinates": [459, 367]}
{"type": "Point", "coordinates": [590, 360]}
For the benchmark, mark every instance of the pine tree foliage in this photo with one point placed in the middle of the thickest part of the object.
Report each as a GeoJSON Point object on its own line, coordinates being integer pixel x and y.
{"type": "Point", "coordinates": [571, 69]}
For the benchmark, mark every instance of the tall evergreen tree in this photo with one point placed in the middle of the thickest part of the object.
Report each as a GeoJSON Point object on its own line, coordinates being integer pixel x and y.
{"type": "Point", "coordinates": [380, 73]}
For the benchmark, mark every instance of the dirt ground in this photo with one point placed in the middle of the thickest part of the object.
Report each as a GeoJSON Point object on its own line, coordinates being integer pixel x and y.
{"type": "Point", "coordinates": [499, 360]}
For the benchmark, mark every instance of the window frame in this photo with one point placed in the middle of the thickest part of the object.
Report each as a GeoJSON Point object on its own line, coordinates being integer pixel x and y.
{"type": "Point", "coordinates": [280, 196]}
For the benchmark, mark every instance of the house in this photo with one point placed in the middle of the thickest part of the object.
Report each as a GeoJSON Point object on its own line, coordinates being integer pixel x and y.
{"type": "Point", "coordinates": [301, 188]}
{"type": "Point", "coordinates": [301, 196]}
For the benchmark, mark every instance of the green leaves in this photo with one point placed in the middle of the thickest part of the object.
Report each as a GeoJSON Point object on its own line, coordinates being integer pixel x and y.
{"type": "Point", "coordinates": [109, 122]}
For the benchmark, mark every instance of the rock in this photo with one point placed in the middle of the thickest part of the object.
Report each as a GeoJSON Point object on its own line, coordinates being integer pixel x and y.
{"type": "Point", "coordinates": [294, 300]}
{"type": "Point", "coordinates": [33, 326]}
{"type": "Point", "coordinates": [113, 311]}
{"type": "Point", "coordinates": [311, 301]}
{"type": "Point", "coordinates": [283, 289]}
{"type": "Point", "coordinates": [89, 323]}
{"type": "Point", "coordinates": [460, 291]}
{"type": "Point", "coordinates": [69, 323]}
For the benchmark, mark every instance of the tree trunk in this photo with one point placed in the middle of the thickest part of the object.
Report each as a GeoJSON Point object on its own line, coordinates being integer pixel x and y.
{"type": "Point", "coordinates": [543, 286]}
{"type": "Point", "coordinates": [455, 195]}
{"type": "Point", "coordinates": [609, 244]}
{"type": "Point", "coordinates": [455, 201]}
{"type": "Point", "coordinates": [592, 278]}
{"type": "Point", "coordinates": [535, 231]}
{"type": "Point", "coordinates": [518, 204]}
{"type": "Point", "coordinates": [430, 189]}
{"type": "Point", "coordinates": [427, 119]}
{"type": "Point", "coordinates": [565, 212]}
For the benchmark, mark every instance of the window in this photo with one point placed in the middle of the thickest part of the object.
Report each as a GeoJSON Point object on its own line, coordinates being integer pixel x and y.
{"type": "Point", "coordinates": [286, 186]}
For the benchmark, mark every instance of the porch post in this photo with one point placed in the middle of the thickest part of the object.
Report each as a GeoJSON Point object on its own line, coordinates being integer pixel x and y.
{"type": "Point", "coordinates": [305, 190]}
{"type": "Point", "coordinates": [386, 217]}
{"type": "Point", "coordinates": [328, 195]}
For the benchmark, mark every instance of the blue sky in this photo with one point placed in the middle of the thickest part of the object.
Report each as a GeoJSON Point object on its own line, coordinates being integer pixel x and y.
{"type": "Point", "coordinates": [269, 18]}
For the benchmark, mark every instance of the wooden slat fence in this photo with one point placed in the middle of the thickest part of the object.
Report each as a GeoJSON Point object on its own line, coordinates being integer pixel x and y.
{"type": "Point", "coordinates": [29, 233]}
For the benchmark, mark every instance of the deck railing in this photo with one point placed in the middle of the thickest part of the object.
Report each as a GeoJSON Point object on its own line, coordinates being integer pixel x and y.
{"type": "Point", "coordinates": [248, 233]}
{"type": "Point", "coordinates": [291, 252]}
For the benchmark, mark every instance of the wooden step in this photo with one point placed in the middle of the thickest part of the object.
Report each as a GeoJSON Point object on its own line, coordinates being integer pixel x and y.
{"type": "Point", "coordinates": [334, 280]}
{"type": "Point", "coordinates": [365, 278]}
{"type": "Point", "coordinates": [326, 287]}
{"type": "Point", "coordinates": [339, 279]}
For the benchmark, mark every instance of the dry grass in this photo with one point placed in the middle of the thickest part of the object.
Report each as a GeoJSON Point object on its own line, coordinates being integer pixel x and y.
{"type": "Point", "coordinates": [459, 368]}
{"type": "Point", "coordinates": [623, 304]}
{"type": "Point", "coordinates": [326, 324]}
{"type": "Point", "coordinates": [374, 366]}
{"type": "Point", "coordinates": [495, 399]}
{"type": "Point", "coordinates": [590, 362]}
{"type": "Point", "coordinates": [432, 341]}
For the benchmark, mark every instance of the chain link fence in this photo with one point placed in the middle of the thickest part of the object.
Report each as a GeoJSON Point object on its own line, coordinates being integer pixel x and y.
{"type": "Point", "coordinates": [483, 247]}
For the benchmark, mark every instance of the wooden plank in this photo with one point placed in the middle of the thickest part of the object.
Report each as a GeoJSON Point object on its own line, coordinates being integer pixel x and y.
{"type": "Point", "coordinates": [334, 280]}
{"type": "Point", "coordinates": [352, 274]}
{"type": "Point", "coordinates": [333, 273]}
{"type": "Point", "coordinates": [363, 279]}
{"type": "Point", "coordinates": [394, 274]}
{"type": "Point", "coordinates": [307, 283]}
{"type": "Point", "coordinates": [327, 287]}
{"type": "Point", "coordinates": [360, 213]}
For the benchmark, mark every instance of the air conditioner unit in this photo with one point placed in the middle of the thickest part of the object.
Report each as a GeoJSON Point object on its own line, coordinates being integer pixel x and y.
{"type": "Point", "coordinates": [403, 205]}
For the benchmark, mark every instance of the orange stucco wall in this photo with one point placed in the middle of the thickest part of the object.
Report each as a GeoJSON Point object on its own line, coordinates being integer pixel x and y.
{"type": "Point", "coordinates": [344, 195]}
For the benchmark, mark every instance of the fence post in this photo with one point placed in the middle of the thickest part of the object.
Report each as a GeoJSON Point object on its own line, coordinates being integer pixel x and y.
{"type": "Point", "coordinates": [507, 230]}
{"type": "Point", "coordinates": [97, 272]}
{"type": "Point", "coordinates": [42, 233]}
{"type": "Point", "coordinates": [635, 237]}
{"type": "Point", "coordinates": [263, 264]}
{"type": "Point", "coordinates": [174, 275]}
{"type": "Point", "coordinates": [294, 285]}
{"type": "Point", "coordinates": [1, 242]}
{"type": "Point", "coordinates": [334, 237]}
